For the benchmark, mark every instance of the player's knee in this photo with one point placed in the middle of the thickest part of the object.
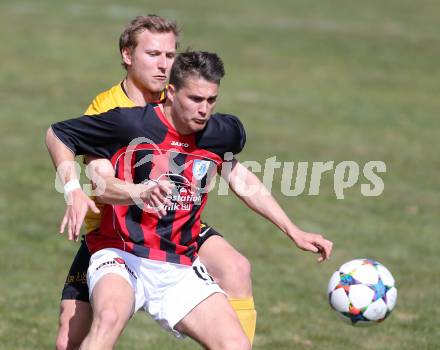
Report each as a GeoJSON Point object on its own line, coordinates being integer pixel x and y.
{"type": "Point", "coordinates": [65, 337]}
{"type": "Point", "coordinates": [243, 269]}
{"type": "Point", "coordinates": [63, 341]}
{"type": "Point", "coordinates": [237, 277]}
{"type": "Point", "coordinates": [235, 342]}
{"type": "Point", "coordinates": [107, 320]}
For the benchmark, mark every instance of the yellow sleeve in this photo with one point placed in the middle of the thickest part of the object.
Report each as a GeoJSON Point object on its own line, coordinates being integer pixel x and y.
{"type": "Point", "coordinates": [92, 108]}
{"type": "Point", "coordinates": [101, 103]}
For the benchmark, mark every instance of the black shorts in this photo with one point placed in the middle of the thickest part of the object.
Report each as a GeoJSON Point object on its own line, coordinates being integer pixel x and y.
{"type": "Point", "coordinates": [76, 288]}
{"type": "Point", "coordinates": [206, 231]}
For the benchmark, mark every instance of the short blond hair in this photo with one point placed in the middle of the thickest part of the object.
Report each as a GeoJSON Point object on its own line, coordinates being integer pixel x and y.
{"type": "Point", "coordinates": [152, 23]}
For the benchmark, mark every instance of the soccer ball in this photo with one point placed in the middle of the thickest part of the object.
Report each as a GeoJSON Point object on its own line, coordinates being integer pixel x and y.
{"type": "Point", "coordinates": [362, 292]}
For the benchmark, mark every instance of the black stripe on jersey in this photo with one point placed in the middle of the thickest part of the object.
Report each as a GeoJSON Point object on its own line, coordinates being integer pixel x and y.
{"type": "Point", "coordinates": [142, 165]}
{"type": "Point", "coordinates": [141, 250]}
{"type": "Point", "coordinates": [164, 230]}
{"type": "Point", "coordinates": [173, 258]}
{"type": "Point", "coordinates": [165, 225]}
{"type": "Point", "coordinates": [133, 222]}
{"type": "Point", "coordinates": [186, 235]}
{"type": "Point", "coordinates": [117, 169]}
{"type": "Point", "coordinates": [142, 168]}
{"type": "Point", "coordinates": [191, 251]}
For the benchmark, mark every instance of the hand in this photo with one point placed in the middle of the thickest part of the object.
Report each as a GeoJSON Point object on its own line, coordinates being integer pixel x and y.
{"type": "Point", "coordinates": [78, 203]}
{"type": "Point", "coordinates": [314, 243]}
{"type": "Point", "coordinates": [156, 196]}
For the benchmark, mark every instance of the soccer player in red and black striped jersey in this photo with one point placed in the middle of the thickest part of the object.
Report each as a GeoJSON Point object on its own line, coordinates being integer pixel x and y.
{"type": "Point", "coordinates": [147, 45]}
{"type": "Point", "coordinates": [186, 159]}
{"type": "Point", "coordinates": [187, 146]}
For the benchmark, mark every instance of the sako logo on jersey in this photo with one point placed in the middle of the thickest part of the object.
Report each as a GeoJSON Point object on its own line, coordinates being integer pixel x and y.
{"type": "Point", "coordinates": [179, 144]}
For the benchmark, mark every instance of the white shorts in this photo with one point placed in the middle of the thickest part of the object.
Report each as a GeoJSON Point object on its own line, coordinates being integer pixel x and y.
{"type": "Point", "coordinates": [168, 292]}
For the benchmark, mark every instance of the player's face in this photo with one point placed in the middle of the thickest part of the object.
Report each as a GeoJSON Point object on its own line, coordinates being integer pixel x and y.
{"type": "Point", "coordinates": [193, 104]}
{"type": "Point", "coordinates": [150, 62]}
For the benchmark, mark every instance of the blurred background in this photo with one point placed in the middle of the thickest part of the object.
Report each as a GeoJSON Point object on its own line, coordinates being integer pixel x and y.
{"type": "Point", "coordinates": [312, 81]}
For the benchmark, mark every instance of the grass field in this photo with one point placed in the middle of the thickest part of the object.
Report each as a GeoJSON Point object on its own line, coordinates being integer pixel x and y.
{"type": "Point", "coordinates": [312, 81]}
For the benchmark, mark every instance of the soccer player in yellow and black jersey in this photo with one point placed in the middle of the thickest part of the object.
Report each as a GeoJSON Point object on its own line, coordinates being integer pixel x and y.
{"type": "Point", "coordinates": [148, 47]}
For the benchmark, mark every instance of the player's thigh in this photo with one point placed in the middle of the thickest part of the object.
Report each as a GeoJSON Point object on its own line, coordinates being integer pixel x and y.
{"type": "Point", "coordinates": [214, 324]}
{"type": "Point", "coordinates": [113, 298]}
{"type": "Point", "coordinates": [225, 263]}
{"type": "Point", "coordinates": [74, 323]}
{"type": "Point", "coordinates": [112, 283]}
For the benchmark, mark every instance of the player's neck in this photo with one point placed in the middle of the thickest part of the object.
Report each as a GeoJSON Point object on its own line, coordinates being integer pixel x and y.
{"type": "Point", "coordinates": [168, 113]}
{"type": "Point", "coordinates": [136, 94]}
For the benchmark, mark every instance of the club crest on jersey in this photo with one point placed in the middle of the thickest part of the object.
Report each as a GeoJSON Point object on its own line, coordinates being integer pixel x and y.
{"type": "Point", "coordinates": [200, 168]}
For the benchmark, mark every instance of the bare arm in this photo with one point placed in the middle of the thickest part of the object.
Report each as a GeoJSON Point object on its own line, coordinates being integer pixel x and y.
{"type": "Point", "coordinates": [77, 201]}
{"type": "Point", "coordinates": [252, 192]}
{"type": "Point", "coordinates": [119, 192]}
{"type": "Point", "coordinates": [60, 154]}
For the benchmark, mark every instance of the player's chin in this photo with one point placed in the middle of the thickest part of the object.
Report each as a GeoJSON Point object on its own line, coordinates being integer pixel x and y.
{"type": "Point", "coordinates": [156, 86]}
{"type": "Point", "coordinates": [197, 126]}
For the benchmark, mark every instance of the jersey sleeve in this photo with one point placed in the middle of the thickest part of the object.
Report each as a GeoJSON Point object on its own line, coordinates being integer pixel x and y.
{"type": "Point", "coordinates": [94, 136]}
{"type": "Point", "coordinates": [223, 133]}
{"type": "Point", "coordinates": [102, 103]}
{"type": "Point", "coordinates": [93, 108]}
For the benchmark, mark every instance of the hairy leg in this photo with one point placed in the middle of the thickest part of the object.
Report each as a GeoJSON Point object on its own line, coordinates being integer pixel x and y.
{"type": "Point", "coordinates": [75, 310]}
{"type": "Point", "coordinates": [214, 325]}
{"type": "Point", "coordinates": [113, 301]}
{"type": "Point", "coordinates": [230, 269]}
{"type": "Point", "coordinates": [232, 272]}
{"type": "Point", "coordinates": [74, 324]}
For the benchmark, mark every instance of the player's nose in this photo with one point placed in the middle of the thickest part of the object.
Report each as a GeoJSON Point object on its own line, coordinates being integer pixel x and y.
{"type": "Point", "coordinates": [203, 108]}
{"type": "Point", "coordinates": [162, 62]}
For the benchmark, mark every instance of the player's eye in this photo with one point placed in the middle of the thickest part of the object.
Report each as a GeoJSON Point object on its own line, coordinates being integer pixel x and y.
{"type": "Point", "coordinates": [196, 99]}
{"type": "Point", "coordinates": [171, 55]}
{"type": "Point", "coordinates": [153, 53]}
{"type": "Point", "coordinates": [212, 100]}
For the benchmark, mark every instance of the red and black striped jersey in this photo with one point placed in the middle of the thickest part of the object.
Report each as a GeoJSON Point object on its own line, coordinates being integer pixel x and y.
{"type": "Point", "coordinates": [143, 146]}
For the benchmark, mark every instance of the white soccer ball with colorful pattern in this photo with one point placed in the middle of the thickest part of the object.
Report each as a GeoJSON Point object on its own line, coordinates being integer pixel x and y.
{"type": "Point", "coordinates": [362, 292]}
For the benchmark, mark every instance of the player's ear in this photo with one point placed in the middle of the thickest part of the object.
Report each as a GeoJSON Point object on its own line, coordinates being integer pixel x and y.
{"type": "Point", "coordinates": [171, 91]}
{"type": "Point", "coordinates": [126, 56]}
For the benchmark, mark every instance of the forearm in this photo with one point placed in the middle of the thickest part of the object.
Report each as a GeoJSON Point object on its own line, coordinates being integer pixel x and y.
{"type": "Point", "coordinates": [153, 194]}
{"type": "Point", "coordinates": [254, 194]}
{"type": "Point", "coordinates": [62, 157]}
{"type": "Point", "coordinates": [119, 192]}
{"type": "Point", "coordinates": [251, 191]}
{"type": "Point", "coordinates": [109, 189]}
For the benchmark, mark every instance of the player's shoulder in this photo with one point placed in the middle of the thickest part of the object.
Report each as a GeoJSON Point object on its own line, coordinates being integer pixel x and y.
{"type": "Point", "coordinates": [109, 99]}
{"type": "Point", "coordinates": [223, 133]}
{"type": "Point", "coordinates": [128, 114]}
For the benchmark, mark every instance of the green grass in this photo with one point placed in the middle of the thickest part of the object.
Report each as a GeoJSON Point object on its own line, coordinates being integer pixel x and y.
{"type": "Point", "coordinates": [312, 81]}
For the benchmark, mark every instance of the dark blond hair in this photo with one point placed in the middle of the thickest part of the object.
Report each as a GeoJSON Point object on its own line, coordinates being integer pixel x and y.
{"type": "Point", "coordinates": [152, 23]}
